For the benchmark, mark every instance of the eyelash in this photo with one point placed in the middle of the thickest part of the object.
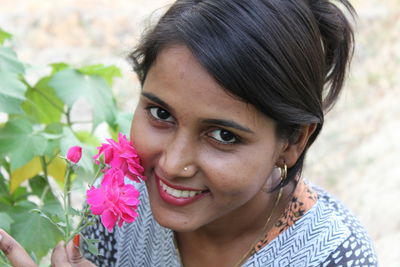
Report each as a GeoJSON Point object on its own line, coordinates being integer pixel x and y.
{"type": "Point", "coordinates": [148, 110]}
{"type": "Point", "coordinates": [237, 138]}
{"type": "Point", "coordinates": [208, 134]}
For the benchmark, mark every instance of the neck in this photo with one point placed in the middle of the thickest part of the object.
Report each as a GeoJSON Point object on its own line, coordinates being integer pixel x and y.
{"type": "Point", "coordinates": [240, 229]}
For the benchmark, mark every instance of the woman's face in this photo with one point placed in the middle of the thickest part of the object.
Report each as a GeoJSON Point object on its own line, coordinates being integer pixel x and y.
{"type": "Point", "coordinates": [207, 155]}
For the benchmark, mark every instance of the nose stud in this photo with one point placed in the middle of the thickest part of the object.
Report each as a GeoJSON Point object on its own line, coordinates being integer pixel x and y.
{"type": "Point", "coordinates": [185, 168]}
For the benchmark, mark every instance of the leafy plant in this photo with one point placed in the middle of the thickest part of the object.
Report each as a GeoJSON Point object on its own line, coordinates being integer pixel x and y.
{"type": "Point", "coordinates": [38, 128]}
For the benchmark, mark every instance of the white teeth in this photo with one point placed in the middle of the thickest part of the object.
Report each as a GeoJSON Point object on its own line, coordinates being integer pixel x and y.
{"type": "Point", "coordinates": [178, 193]}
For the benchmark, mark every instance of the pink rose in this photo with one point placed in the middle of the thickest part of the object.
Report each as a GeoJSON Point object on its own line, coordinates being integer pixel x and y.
{"type": "Point", "coordinates": [121, 155]}
{"type": "Point", "coordinates": [114, 200]}
{"type": "Point", "coordinates": [74, 154]}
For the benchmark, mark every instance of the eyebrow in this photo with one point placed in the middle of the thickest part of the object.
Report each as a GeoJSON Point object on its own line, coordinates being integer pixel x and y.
{"type": "Point", "coordinates": [228, 123]}
{"type": "Point", "coordinates": [157, 100]}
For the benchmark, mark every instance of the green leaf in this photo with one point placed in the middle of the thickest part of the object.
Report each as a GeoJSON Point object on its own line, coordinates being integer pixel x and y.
{"type": "Point", "coordinates": [107, 72]}
{"type": "Point", "coordinates": [53, 133]}
{"type": "Point", "coordinates": [53, 206]}
{"type": "Point", "coordinates": [53, 147]}
{"type": "Point", "coordinates": [74, 212]}
{"type": "Point", "coordinates": [55, 128]}
{"type": "Point", "coordinates": [35, 233]}
{"type": "Point", "coordinates": [12, 92]}
{"type": "Point", "coordinates": [91, 245]}
{"type": "Point", "coordinates": [42, 104]}
{"type": "Point", "coordinates": [9, 61]}
{"type": "Point", "coordinates": [93, 248]}
{"type": "Point", "coordinates": [56, 67]}
{"type": "Point", "coordinates": [124, 122]}
{"type": "Point", "coordinates": [42, 189]}
{"type": "Point", "coordinates": [29, 170]}
{"type": "Point", "coordinates": [70, 85]}
{"type": "Point", "coordinates": [5, 221]}
{"type": "Point", "coordinates": [4, 36]}
{"type": "Point", "coordinates": [21, 142]}
{"type": "Point", "coordinates": [87, 138]}
{"type": "Point", "coordinates": [5, 206]}
{"type": "Point", "coordinates": [5, 200]}
{"type": "Point", "coordinates": [4, 188]}
{"type": "Point", "coordinates": [55, 220]}
{"type": "Point", "coordinates": [57, 168]}
{"type": "Point", "coordinates": [20, 194]}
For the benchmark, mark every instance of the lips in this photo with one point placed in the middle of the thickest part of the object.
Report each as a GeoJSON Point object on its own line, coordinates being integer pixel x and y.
{"type": "Point", "coordinates": [178, 195]}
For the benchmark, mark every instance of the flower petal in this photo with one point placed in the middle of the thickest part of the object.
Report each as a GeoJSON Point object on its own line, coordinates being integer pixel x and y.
{"type": "Point", "coordinates": [74, 154]}
{"type": "Point", "coordinates": [109, 219]}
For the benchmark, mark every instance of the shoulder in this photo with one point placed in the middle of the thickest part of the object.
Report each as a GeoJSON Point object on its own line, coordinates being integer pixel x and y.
{"type": "Point", "coordinates": [357, 248]}
{"type": "Point", "coordinates": [316, 237]}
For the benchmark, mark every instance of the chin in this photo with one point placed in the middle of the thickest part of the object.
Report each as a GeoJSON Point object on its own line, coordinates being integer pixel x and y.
{"type": "Point", "coordinates": [175, 218]}
{"type": "Point", "coordinates": [175, 223]}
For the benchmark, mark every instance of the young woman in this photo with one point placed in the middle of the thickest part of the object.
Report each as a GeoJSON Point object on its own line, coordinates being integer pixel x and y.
{"type": "Point", "coordinates": [234, 93]}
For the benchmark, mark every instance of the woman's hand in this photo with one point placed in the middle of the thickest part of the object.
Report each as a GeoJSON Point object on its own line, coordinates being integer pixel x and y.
{"type": "Point", "coordinates": [68, 256]}
{"type": "Point", "coordinates": [62, 256]}
{"type": "Point", "coordinates": [15, 253]}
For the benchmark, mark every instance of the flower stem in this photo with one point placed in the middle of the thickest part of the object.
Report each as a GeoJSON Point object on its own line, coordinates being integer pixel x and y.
{"type": "Point", "coordinates": [46, 177]}
{"type": "Point", "coordinates": [67, 200]}
{"type": "Point", "coordinates": [44, 167]}
{"type": "Point", "coordinates": [43, 195]}
{"type": "Point", "coordinates": [78, 230]}
{"type": "Point", "coordinates": [80, 227]}
{"type": "Point", "coordinates": [68, 115]}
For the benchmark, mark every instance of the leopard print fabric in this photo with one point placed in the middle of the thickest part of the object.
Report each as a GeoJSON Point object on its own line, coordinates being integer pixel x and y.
{"type": "Point", "coordinates": [302, 200]}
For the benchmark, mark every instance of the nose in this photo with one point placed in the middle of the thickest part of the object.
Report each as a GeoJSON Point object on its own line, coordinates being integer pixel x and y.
{"type": "Point", "coordinates": [178, 159]}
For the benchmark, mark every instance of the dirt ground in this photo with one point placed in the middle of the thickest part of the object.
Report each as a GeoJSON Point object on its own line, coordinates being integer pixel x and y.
{"type": "Point", "coordinates": [357, 155]}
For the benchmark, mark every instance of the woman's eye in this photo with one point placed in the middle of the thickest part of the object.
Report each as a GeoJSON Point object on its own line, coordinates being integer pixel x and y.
{"type": "Point", "coordinates": [224, 136]}
{"type": "Point", "coordinates": [160, 114]}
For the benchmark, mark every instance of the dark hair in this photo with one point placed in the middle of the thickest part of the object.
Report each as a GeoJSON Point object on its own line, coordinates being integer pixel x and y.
{"type": "Point", "coordinates": [288, 58]}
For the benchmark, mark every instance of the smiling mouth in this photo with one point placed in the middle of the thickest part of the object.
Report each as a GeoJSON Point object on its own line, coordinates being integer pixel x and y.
{"type": "Point", "coordinates": [179, 193]}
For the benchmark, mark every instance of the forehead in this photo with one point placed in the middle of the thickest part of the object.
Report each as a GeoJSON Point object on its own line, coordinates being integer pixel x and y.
{"type": "Point", "coordinates": [179, 79]}
{"type": "Point", "coordinates": [176, 66]}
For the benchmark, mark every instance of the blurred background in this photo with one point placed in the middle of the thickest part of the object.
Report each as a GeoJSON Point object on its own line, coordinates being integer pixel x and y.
{"type": "Point", "coordinates": [356, 157]}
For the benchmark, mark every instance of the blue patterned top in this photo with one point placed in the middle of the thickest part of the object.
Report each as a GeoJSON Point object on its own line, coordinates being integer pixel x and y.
{"type": "Point", "coordinates": [326, 235]}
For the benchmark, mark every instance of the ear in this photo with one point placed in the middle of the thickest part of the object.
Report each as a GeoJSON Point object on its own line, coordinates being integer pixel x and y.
{"type": "Point", "coordinates": [292, 151]}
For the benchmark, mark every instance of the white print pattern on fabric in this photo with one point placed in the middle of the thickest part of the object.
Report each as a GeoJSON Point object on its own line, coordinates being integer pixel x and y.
{"type": "Point", "coordinates": [326, 235]}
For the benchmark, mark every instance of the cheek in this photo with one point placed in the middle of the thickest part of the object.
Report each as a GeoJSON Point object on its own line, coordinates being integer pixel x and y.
{"type": "Point", "coordinates": [238, 173]}
{"type": "Point", "coordinates": [146, 140]}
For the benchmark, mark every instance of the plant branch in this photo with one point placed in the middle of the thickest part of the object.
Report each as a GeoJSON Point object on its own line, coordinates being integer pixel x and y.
{"type": "Point", "coordinates": [44, 167]}
{"type": "Point", "coordinates": [46, 177]}
{"type": "Point", "coordinates": [53, 157]}
{"type": "Point", "coordinates": [43, 195]}
{"type": "Point", "coordinates": [66, 200]}
{"type": "Point", "coordinates": [68, 115]}
{"type": "Point", "coordinates": [80, 227]}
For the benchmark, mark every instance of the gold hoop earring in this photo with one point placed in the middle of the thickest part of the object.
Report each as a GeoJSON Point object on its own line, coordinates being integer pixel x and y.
{"type": "Point", "coordinates": [283, 172]}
